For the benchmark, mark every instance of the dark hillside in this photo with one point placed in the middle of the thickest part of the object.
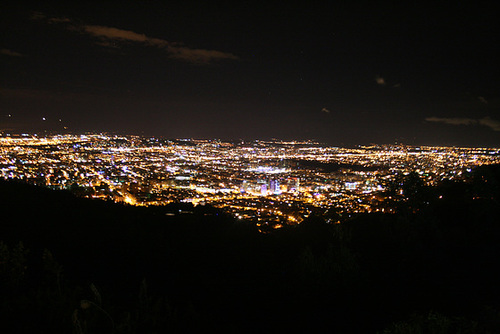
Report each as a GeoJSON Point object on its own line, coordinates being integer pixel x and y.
{"type": "Point", "coordinates": [70, 264]}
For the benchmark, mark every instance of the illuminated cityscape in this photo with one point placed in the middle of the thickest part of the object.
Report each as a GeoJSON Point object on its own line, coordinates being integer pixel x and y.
{"type": "Point", "coordinates": [272, 183]}
{"type": "Point", "coordinates": [251, 167]}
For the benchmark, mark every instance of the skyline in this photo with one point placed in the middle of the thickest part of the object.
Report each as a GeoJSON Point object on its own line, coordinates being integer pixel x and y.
{"type": "Point", "coordinates": [270, 183]}
{"type": "Point", "coordinates": [339, 74]}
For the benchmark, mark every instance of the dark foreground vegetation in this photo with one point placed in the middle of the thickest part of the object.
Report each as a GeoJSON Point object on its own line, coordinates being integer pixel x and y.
{"type": "Point", "coordinates": [73, 265]}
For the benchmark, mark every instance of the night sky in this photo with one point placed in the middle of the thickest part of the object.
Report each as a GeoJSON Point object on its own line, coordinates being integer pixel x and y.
{"type": "Point", "coordinates": [341, 74]}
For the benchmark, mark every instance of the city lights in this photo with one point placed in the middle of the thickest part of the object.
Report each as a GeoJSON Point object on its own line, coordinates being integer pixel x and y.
{"type": "Point", "coordinates": [272, 183]}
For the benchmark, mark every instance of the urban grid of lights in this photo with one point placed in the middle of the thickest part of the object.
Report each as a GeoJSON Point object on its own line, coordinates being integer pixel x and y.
{"type": "Point", "coordinates": [270, 182]}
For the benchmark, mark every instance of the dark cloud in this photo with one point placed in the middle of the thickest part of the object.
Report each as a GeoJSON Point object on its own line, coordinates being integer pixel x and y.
{"type": "Point", "coordinates": [108, 36]}
{"type": "Point", "coordinates": [173, 49]}
{"type": "Point", "coordinates": [7, 52]}
{"type": "Point", "coordinates": [38, 16]}
{"type": "Point", "coordinates": [59, 20]}
{"type": "Point", "coordinates": [452, 120]}
{"type": "Point", "coordinates": [482, 99]}
{"type": "Point", "coordinates": [491, 123]}
{"type": "Point", "coordinates": [485, 121]}
{"type": "Point", "coordinates": [120, 34]}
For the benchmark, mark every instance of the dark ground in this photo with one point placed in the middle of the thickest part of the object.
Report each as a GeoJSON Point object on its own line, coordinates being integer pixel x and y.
{"type": "Point", "coordinates": [70, 264]}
